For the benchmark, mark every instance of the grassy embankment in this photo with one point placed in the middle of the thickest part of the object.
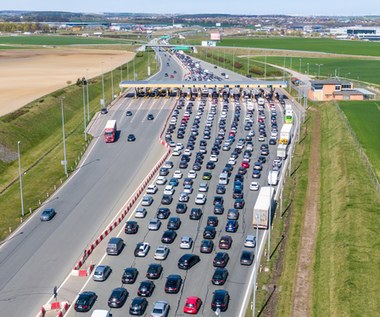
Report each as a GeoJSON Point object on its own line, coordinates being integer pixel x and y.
{"type": "Point", "coordinates": [38, 127]}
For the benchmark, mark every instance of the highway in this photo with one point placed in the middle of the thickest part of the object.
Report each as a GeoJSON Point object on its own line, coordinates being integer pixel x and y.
{"type": "Point", "coordinates": [197, 281]}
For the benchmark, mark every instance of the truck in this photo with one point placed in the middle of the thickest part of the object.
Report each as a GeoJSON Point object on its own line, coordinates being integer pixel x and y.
{"type": "Point", "coordinates": [282, 151]}
{"type": "Point", "coordinates": [286, 133]}
{"type": "Point", "coordinates": [288, 116]}
{"type": "Point", "coordinates": [110, 131]}
{"type": "Point", "coordinates": [263, 207]}
{"type": "Point", "coordinates": [273, 178]}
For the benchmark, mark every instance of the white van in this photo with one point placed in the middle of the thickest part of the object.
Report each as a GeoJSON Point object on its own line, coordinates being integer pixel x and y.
{"type": "Point", "coordinates": [273, 178]}
{"type": "Point", "coordinates": [223, 179]}
{"type": "Point", "coordinates": [101, 313]}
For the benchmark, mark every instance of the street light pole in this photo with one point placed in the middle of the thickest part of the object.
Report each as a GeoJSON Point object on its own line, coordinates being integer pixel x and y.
{"type": "Point", "coordinates": [265, 67]}
{"type": "Point", "coordinates": [64, 139]}
{"type": "Point", "coordinates": [319, 69]}
{"type": "Point", "coordinates": [300, 65]}
{"type": "Point", "coordinates": [104, 103]}
{"type": "Point", "coordinates": [20, 175]}
{"type": "Point", "coordinates": [307, 68]}
{"type": "Point", "coordinates": [88, 101]}
{"type": "Point", "coordinates": [270, 218]}
{"type": "Point", "coordinates": [112, 91]}
{"type": "Point", "coordinates": [258, 219]}
{"type": "Point", "coordinates": [84, 112]}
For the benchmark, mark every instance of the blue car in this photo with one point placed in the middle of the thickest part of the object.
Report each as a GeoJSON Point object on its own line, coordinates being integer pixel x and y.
{"type": "Point", "coordinates": [232, 226]}
{"type": "Point", "coordinates": [47, 214]}
{"type": "Point", "coordinates": [173, 181]}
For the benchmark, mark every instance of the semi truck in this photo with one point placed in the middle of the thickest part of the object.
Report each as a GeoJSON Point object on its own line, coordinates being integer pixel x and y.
{"type": "Point", "coordinates": [286, 133]}
{"type": "Point", "coordinates": [263, 206]}
{"type": "Point", "coordinates": [282, 151]}
{"type": "Point", "coordinates": [110, 131]}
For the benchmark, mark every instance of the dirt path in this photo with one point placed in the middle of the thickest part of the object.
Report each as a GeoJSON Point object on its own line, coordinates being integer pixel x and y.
{"type": "Point", "coordinates": [303, 283]}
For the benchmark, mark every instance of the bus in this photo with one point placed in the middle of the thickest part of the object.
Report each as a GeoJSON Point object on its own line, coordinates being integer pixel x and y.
{"type": "Point", "coordinates": [288, 116]}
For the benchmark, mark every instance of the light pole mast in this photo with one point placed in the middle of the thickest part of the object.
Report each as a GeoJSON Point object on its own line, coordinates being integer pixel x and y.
{"type": "Point", "coordinates": [20, 175]}
{"type": "Point", "coordinates": [64, 139]}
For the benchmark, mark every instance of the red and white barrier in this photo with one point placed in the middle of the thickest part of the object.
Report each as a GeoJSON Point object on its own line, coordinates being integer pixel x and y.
{"type": "Point", "coordinates": [61, 307]}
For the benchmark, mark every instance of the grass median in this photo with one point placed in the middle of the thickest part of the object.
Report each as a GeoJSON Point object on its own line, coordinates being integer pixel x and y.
{"type": "Point", "coordinates": [38, 126]}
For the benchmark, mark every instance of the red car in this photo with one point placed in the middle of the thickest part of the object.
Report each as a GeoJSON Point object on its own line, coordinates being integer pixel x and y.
{"type": "Point", "coordinates": [245, 165]}
{"type": "Point", "coordinates": [192, 305]}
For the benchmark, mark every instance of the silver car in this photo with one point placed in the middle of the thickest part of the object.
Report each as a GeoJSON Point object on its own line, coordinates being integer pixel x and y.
{"type": "Point", "coordinates": [147, 200]}
{"type": "Point", "coordinates": [154, 224]}
{"type": "Point", "coordinates": [101, 273]}
{"type": "Point", "coordinates": [140, 212]}
{"type": "Point", "coordinates": [160, 309]}
{"type": "Point", "coordinates": [250, 241]}
{"type": "Point", "coordinates": [161, 253]}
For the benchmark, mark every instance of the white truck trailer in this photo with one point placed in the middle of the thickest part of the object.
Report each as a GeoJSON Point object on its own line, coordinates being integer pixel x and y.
{"type": "Point", "coordinates": [286, 133]}
{"type": "Point", "coordinates": [282, 151]}
{"type": "Point", "coordinates": [262, 208]}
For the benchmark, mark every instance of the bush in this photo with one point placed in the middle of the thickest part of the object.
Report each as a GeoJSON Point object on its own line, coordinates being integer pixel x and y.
{"type": "Point", "coordinates": [238, 65]}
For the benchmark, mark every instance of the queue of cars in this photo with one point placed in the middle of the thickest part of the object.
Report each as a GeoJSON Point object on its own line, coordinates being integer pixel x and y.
{"type": "Point", "coordinates": [174, 185]}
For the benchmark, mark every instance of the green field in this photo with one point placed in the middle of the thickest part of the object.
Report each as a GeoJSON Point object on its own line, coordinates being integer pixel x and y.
{"type": "Point", "coordinates": [364, 118]}
{"type": "Point", "coordinates": [355, 69]}
{"type": "Point", "coordinates": [57, 40]}
{"type": "Point", "coordinates": [308, 44]}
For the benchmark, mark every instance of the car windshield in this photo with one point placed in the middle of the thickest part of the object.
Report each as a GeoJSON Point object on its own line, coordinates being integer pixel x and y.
{"type": "Point", "coordinates": [157, 310]}
{"type": "Point", "coordinates": [82, 301]}
{"type": "Point", "coordinates": [190, 305]}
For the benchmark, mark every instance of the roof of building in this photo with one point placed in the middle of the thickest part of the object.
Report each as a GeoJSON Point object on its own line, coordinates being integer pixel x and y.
{"type": "Point", "coordinates": [349, 92]}
{"type": "Point", "coordinates": [330, 82]}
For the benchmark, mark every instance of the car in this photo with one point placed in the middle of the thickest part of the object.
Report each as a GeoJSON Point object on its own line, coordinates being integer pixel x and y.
{"type": "Point", "coordinates": [163, 213]}
{"type": "Point", "coordinates": [128, 113]}
{"type": "Point", "coordinates": [173, 284]}
{"type": "Point", "coordinates": [129, 275]}
{"type": "Point", "coordinates": [207, 246]}
{"type": "Point", "coordinates": [209, 232]}
{"type": "Point", "coordinates": [212, 221]}
{"type": "Point", "coordinates": [142, 249]}
{"type": "Point", "coordinates": [246, 257]}
{"type": "Point", "coordinates": [203, 187]}
{"type": "Point", "coordinates": [188, 181]}
{"type": "Point", "coordinates": [147, 200]}
{"type": "Point", "coordinates": [220, 189]}
{"type": "Point", "coordinates": [104, 111]}
{"type": "Point", "coordinates": [160, 309]}
{"type": "Point", "coordinates": [258, 166]}
{"type": "Point", "coordinates": [177, 174]}
{"type": "Point", "coordinates": [151, 189]}
{"type": "Point", "coordinates": [183, 197]}
{"type": "Point", "coordinates": [218, 209]}
{"type": "Point", "coordinates": [225, 242]}
{"type": "Point", "coordinates": [210, 165]}
{"type": "Point", "coordinates": [138, 306]}
{"type": "Point", "coordinates": [218, 200]}
{"type": "Point", "coordinates": [146, 288]}
{"type": "Point", "coordinates": [262, 159]}
{"type": "Point", "coordinates": [220, 299]}
{"type": "Point", "coordinates": [169, 190]}
{"type": "Point", "coordinates": [220, 276]}
{"type": "Point", "coordinates": [206, 176]}
{"type": "Point", "coordinates": [161, 180]}
{"type": "Point", "coordinates": [162, 252]}
{"type": "Point", "coordinates": [174, 223]}
{"type": "Point", "coordinates": [131, 137]}
{"type": "Point", "coordinates": [101, 273]}
{"type": "Point", "coordinates": [176, 152]}
{"type": "Point", "coordinates": [238, 193]}
{"type": "Point", "coordinates": [192, 305]}
{"type": "Point", "coordinates": [232, 226]}
{"type": "Point", "coordinates": [166, 199]}
{"type": "Point", "coordinates": [118, 297]}
{"type": "Point", "coordinates": [48, 214]}
{"type": "Point", "coordinates": [150, 116]}
{"type": "Point", "coordinates": [186, 242]}
{"type": "Point", "coordinates": [154, 271]}
{"type": "Point", "coordinates": [131, 227]}
{"type": "Point", "coordinates": [239, 203]}
{"type": "Point", "coordinates": [250, 241]}
{"type": "Point", "coordinates": [221, 259]}
{"type": "Point", "coordinates": [154, 224]}
{"type": "Point", "coordinates": [272, 141]}
{"type": "Point", "coordinates": [254, 186]}
{"type": "Point", "coordinates": [233, 214]}
{"type": "Point", "coordinates": [140, 212]}
{"type": "Point", "coordinates": [168, 236]}
{"type": "Point", "coordinates": [173, 182]}
{"type": "Point", "coordinates": [192, 174]}
{"type": "Point", "coordinates": [188, 189]}
{"type": "Point", "coordinates": [163, 171]}
{"type": "Point", "coordinates": [213, 158]}
{"type": "Point", "coordinates": [85, 301]}
{"type": "Point", "coordinates": [181, 208]}
{"type": "Point", "coordinates": [195, 214]}
{"type": "Point", "coordinates": [187, 261]}
{"type": "Point", "coordinates": [200, 199]}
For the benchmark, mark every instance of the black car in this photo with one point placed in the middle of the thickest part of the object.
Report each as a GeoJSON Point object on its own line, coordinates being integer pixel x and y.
{"type": "Point", "coordinates": [183, 164]}
{"type": "Point", "coordinates": [138, 306]}
{"type": "Point", "coordinates": [188, 181]}
{"type": "Point", "coordinates": [150, 116]}
{"type": "Point", "coordinates": [195, 214]}
{"type": "Point", "coordinates": [238, 193]}
{"type": "Point", "coordinates": [207, 246]}
{"type": "Point", "coordinates": [197, 167]}
{"type": "Point", "coordinates": [131, 227]}
{"type": "Point", "coordinates": [239, 203]}
{"type": "Point", "coordinates": [220, 276]}
{"type": "Point", "coordinates": [154, 271]}
{"type": "Point", "coordinates": [212, 221]}
{"type": "Point", "coordinates": [164, 171]}
{"type": "Point", "coordinates": [104, 111]}
{"type": "Point", "coordinates": [129, 275]}
{"type": "Point", "coordinates": [220, 300]}
{"type": "Point", "coordinates": [187, 261]}
{"type": "Point", "coordinates": [209, 232]}
{"type": "Point", "coordinates": [262, 159]}
{"type": "Point", "coordinates": [163, 212]}
{"type": "Point", "coordinates": [146, 288]}
{"type": "Point", "coordinates": [218, 200]}
{"type": "Point", "coordinates": [128, 113]}
{"type": "Point", "coordinates": [166, 199]}
{"type": "Point", "coordinates": [218, 209]}
{"type": "Point", "coordinates": [85, 301]}
{"type": "Point", "coordinates": [181, 208]}
{"type": "Point", "coordinates": [246, 257]}
{"type": "Point", "coordinates": [210, 165]}
{"type": "Point", "coordinates": [131, 137]}
{"type": "Point", "coordinates": [221, 259]}
{"type": "Point", "coordinates": [220, 189]}
{"type": "Point", "coordinates": [174, 223]}
{"type": "Point", "coordinates": [242, 170]}
{"type": "Point", "coordinates": [168, 236]}
{"type": "Point", "coordinates": [118, 297]}
{"type": "Point", "coordinates": [173, 284]}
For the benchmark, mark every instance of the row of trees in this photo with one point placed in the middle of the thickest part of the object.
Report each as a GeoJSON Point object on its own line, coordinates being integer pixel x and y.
{"type": "Point", "coordinates": [11, 27]}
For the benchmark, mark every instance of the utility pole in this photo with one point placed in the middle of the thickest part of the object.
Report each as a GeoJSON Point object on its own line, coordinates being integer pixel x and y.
{"type": "Point", "coordinates": [269, 219]}
{"type": "Point", "coordinates": [265, 67]}
{"type": "Point", "coordinates": [64, 162]}
{"type": "Point", "coordinates": [103, 99]}
{"type": "Point", "coordinates": [84, 111]}
{"type": "Point", "coordinates": [112, 85]}
{"type": "Point", "coordinates": [88, 100]}
{"type": "Point", "coordinates": [20, 175]}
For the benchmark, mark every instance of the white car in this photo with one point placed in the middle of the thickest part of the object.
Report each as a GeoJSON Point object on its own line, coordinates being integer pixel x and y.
{"type": "Point", "coordinates": [203, 187]}
{"type": "Point", "coordinates": [140, 212]}
{"type": "Point", "coordinates": [200, 199]}
{"type": "Point", "coordinates": [188, 189]}
{"type": "Point", "coordinates": [152, 189]}
{"type": "Point", "coordinates": [160, 309]}
{"type": "Point", "coordinates": [214, 158]}
{"type": "Point", "coordinates": [187, 152]}
{"type": "Point", "coordinates": [254, 186]}
{"type": "Point", "coordinates": [161, 253]}
{"type": "Point", "coordinates": [250, 241]}
{"type": "Point", "coordinates": [161, 180]}
{"type": "Point", "coordinates": [192, 174]}
{"type": "Point", "coordinates": [147, 200]}
{"type": "Point", "coordinates": [177, 174]}
{"type": "Point", "coordinates": [177, 153]}
{"type": "Point", "coordinates": [169, 190]}
{"type": "Point", "coordinates": [232, 161]}
{"type": "Point", "coordinates": [179, 146]}
{"type": "Point", "coordinates": [168, 164]}
{"type": "Point", "coordinates": [172, 144]}
{"type": "Point", "coordinates": [186, 242]}
{"type": "Point", "coordinates": [154, 224]}
{"type": "Point", "coordinates": [183, 197]}
{"type": "Point", "coordinates": [142, 249]}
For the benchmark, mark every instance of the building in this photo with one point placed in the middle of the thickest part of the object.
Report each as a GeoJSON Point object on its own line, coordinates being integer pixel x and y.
{"type": "Point", "coordinates": [335, 89]}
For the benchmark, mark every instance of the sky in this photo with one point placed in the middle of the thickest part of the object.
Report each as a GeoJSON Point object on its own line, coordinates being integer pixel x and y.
{"type": "Point", "coordinates": [289, 7]}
